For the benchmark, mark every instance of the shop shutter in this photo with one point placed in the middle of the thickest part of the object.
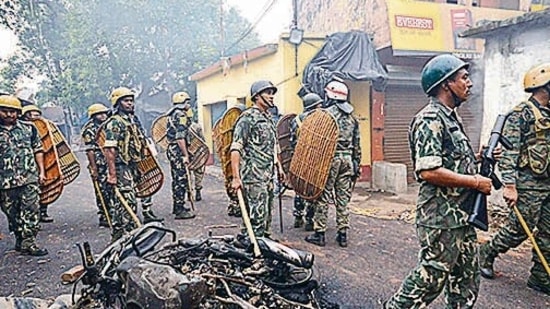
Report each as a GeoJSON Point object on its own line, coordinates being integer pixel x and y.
{"type": "Point", "coordinates": [401, 104]}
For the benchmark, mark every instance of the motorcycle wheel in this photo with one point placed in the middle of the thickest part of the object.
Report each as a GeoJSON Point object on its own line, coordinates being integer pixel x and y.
{"type": "Point", "coordinates": [285, 275]}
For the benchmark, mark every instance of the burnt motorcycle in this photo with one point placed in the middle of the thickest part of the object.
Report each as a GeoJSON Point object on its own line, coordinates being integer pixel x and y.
{"type": "Point", "coordinates": [204, 272]}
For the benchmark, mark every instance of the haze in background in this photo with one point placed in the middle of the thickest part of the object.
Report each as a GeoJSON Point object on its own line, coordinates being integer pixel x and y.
{"type": "Point", "coordinates": [275, 21]}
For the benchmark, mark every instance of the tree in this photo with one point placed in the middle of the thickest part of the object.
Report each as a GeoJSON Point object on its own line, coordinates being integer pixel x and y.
{"type": "Point", "coordinates": [85, 48]}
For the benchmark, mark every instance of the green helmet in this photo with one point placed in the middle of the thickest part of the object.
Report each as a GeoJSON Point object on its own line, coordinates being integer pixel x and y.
{"type": "Point", "coordinates": [439, 69]}
{"type": "Point", "coordinates": [310, 100]}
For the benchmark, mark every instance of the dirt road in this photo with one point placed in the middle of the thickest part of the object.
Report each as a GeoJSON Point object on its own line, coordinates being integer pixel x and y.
{"type": "Point", "coordinates": [380, 254]}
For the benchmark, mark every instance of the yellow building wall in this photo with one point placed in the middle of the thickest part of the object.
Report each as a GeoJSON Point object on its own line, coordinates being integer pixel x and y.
{"type": "Point", "coordinates": [360, 99]}
{"type": "Point", "coordinates": [292, 81]}
{"type": "Point", "coordinates": [278, 67]}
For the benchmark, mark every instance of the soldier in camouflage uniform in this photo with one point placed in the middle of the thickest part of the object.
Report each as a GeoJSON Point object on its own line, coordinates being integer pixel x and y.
{"type": "Point", "coordinates": [176, 135]}
{"type": "Point", "coordinates": [253, 158]}
{"type": "Point", "coordinates": [445, 166]}
{"type": "Point", "coordinates": [197, 174]}
{"type": "Point", "coordinates": [124, 148]}
{"type": "Point", "coordinates": [97, 166]}
{"type": "Point", "coordinates": [29, 113]}
{"type": "Point", "coordinates": [347, 156]}
{"type": "Point", "coordinates": [311, 102]}
{"type": "Point", "coordinates": [21, 169]}
{"type": "Point", "coordinates": [526, 178]}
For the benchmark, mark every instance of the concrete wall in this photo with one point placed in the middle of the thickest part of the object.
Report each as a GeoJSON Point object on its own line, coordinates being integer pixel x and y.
{"type": "Point", "coordinates": [507, 57]}
{"type": "Point", "coordinates": [329, 16]}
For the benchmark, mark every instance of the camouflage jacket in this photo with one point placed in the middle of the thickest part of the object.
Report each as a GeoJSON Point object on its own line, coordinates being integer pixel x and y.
{"type": "Point", "coordinates": [526, 164]}
{"type": "Point", "coordinates": [125, 133]}
{"type": "Point", "coordinates": [88, 133]}
{"type": "Point", "coordinates": [18, 145]}
{"type": "Point", "coordinates": [177, 128]}
{"type": "Point", "coordinates": [254, 139]}
{"type": "Point", "coordinates": [437, 139]}
{"type": "Point", "coordinates": [295, 125]}
{"type": "Point", "coordinates": [348, 133]}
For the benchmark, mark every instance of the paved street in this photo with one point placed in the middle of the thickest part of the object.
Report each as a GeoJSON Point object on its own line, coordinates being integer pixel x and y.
{"type": "Point", "coordinates": [381, 251]}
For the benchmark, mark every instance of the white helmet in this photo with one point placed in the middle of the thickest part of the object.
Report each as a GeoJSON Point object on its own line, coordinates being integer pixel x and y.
{"type": "Point", "coordinates": [337, 91]}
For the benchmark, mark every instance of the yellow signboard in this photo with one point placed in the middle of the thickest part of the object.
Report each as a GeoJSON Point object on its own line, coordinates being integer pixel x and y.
{"type": "Point", "coordinates": [427, 28]}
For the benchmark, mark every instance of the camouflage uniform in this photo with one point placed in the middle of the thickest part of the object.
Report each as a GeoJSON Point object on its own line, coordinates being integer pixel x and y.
{"type": "Point", "coordinates": [526, 167]}
{"type": "Point", "coordinates": [122, 131]}
{"type": "Point", "coordinates": [302, 207]}
{"type": "Point", "coordinates": [89, 131]}
{"type": "Point", "coordinates": [178, 126]}
{"type": "Point", "coordinates": [339, 182]}
{"type": "Point", "coordinates": [254, 139]}
{"type": "Point", "coordinates": [19, 191]}
{"type": "Point", "coordinates": [447, 258]}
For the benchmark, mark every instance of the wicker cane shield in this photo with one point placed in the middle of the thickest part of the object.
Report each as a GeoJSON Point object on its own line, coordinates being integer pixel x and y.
{"type": "Point", "coordinates": [68, 163]}
{"type": "Point", "coordinates": [159, 130]}
{"type": "Point", "coordinates": [149, 178]}
{"type": "Point", "coordinates": [197, 148]}
{"type": "Point", "coordinates": [283, 136]}
{"type": "Point", "coordinates": [222, 133]}
{"type": "Point", "coordinates": [310, 164]}
{"type": "Point", "coordinates": [53, 186]}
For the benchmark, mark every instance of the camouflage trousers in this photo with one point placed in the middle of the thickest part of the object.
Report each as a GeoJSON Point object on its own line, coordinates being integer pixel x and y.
{"type": "Point", "coordinates": [303, 208]}
{"type": "Point", "coordinates": [258, 198]}
{"type": "Point", "coordinates": [102, 192]}
{"type": "Point", "coordinates": [535, 209]}
{"type": "Point", "coordinates": [198, 176]}
{"type": "Point", "coordinates": [121, 219]}
{"type": "Point", "coordinates": [233, 205]}
{"type": "Point", "coordinates": [179, 177]}
{"type": "Point", "coordinates": [21, 207]}
{"type": "Point", "coordinates": [447, 260]}
{"type": "Point", "coordinates": [337, 189]}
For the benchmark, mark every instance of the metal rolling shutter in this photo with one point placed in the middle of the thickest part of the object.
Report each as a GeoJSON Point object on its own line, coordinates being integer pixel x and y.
{"type": "Point", "coordinates": [401, 104]}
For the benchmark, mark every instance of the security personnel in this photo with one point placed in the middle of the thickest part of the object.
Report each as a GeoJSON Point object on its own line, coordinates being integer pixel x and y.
{"type": "Point", "coordinates": [526, 177]}
{"type": "Point", "coordinates": [445, 166]}
{"type": "Point", "coordinates": [29, 113]}
{"type": "Point", "coordinates": [311, 102]}
{"type": "Point", "coordinates": [21, 170]}
{"type": "Point", "coordinates": [124, 147]}
{"type": "Point", "coordinates": [177, 137]}
{"type": "Point", "coordinates": [346, 157]}
{"type": "Point", "coordinates": [97, 165]}
{"type": "Point", "coordinates": [253, 158]}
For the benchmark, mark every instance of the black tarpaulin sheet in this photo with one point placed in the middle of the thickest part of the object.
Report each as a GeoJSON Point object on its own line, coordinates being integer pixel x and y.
{"type": "Point", "coordinates": [347, 55]}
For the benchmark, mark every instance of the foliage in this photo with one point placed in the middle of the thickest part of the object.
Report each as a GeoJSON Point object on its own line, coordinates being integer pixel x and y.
{"type": "Point", "coordinates": [85, 48]}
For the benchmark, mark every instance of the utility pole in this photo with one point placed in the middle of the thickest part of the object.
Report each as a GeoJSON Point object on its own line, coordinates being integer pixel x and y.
{"type": "Point", "coordinates": [295, 26]}
{"type": "Point", "coordinates": [222, 30]}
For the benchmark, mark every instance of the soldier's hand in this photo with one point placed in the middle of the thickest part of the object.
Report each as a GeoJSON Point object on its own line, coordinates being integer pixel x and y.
{"type": "Point", "coordinates": [483, 184]}
{"type": "Point", "coordinates": [93, 174]}
{"type": "Point", "coordinates": [236, 184]}
{"type": "Point", "coordinates": [185, 160]}
{"type": "Point", "coordinates": [510, 194]}
{"type": "Point", "coordinates": [41, 179]}
{"type": "Point", "coordinates": [111, 179]}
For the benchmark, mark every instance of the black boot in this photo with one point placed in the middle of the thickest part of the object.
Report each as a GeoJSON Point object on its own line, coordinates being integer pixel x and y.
{"type": "Point", "coordinates": [29, 248]}
{"type": "Point", "coordinates": [317, 238]}
{"type": "Point", "coordinates": [149, 216]}
{"type": "Point", "coordinates": [44, 217]}
{"type": "Point", "coordinates": [486, 261]}
{"type": "Point", "coordinates": [103, 222]}
{"type": "Point", "coordinates": [18, 241]}
{"type": "Point", "coordinates": [537, 286]}
{"type": "Point", "coordinates": [198, 196]}
{"type": "Point", "coordinates": [184, 213]}
{"type": "Point", "coordinates": [309, 226]}
{"type": "Point", "coordinates": [298, 222]}
{"type": "Point", "coordinates": [342, 239]}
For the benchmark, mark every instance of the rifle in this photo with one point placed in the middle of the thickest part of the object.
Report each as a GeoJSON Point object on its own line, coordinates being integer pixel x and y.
{"type": "Point", "coordinates": [478, 216]}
